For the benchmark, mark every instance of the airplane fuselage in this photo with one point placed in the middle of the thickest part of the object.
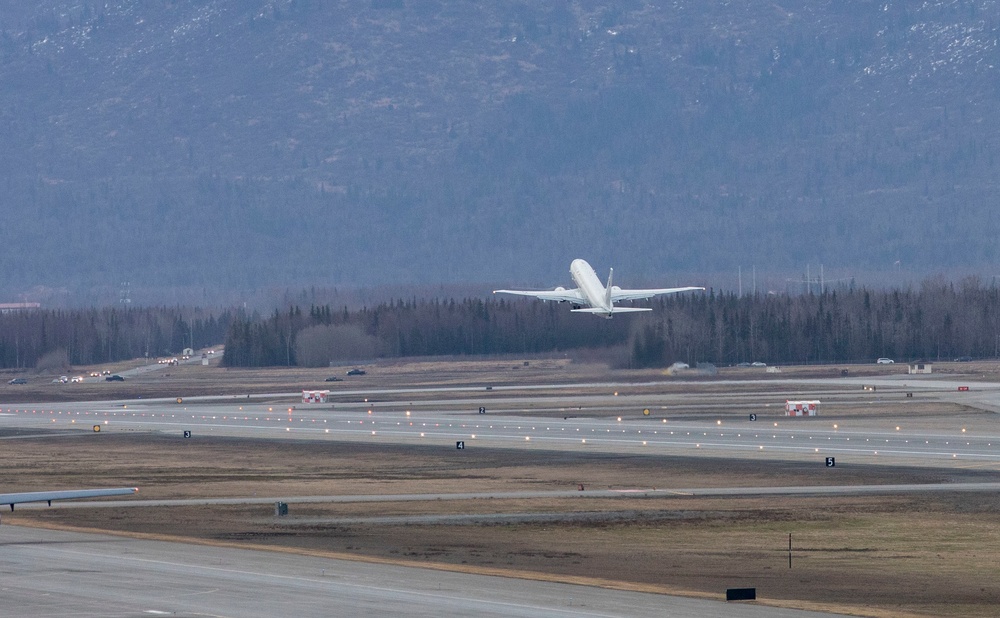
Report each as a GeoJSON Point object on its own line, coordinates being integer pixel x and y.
{"type": "Point", "coordinates": [590, 286]}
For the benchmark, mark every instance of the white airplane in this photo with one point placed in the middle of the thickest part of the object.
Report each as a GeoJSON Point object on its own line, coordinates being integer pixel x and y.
{"type": "Point", "coordinates": [592, 297]}
{"type": "Point", "coordinates": [68, 494]}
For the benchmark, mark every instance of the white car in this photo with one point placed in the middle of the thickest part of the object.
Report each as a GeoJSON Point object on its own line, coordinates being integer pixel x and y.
{"type": "Point", "coordinates": [758, 364]}
{"type": "Point", "coordinates": [76, 379]}
{"type": "Point", "coordinates": [885, 361]}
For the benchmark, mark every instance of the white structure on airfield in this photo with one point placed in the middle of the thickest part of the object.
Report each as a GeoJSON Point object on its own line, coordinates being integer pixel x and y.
{"type": "Point", "coordinates": [802, 408]}
{"type": "Point", "coordinates": [315, 396]}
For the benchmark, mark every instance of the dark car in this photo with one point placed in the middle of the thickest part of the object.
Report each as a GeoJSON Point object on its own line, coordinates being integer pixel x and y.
{"type": "Point", "coordinates": [18, 381]}
{"type": "Point", "coordinates": [356, 372]}
{"type": "Point", "coordinates": [963, 359]}
{"type": "Point", "coordinates": [334, 379]}
{"type": "Point", "coordinates": [114, 378]}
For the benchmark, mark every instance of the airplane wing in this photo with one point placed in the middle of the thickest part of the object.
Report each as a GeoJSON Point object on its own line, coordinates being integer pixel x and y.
{"type": "Point", "coordinates": [558, 294]}
{"type": "Point", "coordinates": [69, 494]}
{"type": "Point", "coordinates": [618, 294]}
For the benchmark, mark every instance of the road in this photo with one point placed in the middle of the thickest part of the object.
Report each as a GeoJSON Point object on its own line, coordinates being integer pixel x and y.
{"type": "Point", "coordinates": [54, 573]}
{"type": "Point", "coordinates": [638, 492]}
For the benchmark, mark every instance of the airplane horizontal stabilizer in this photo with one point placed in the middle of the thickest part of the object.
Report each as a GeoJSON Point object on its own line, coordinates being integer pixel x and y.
{"type": "Point", "coordinates": [601, 311]}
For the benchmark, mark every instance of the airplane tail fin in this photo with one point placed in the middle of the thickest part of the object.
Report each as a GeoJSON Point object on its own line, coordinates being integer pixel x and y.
{"type": "Point", "coordinates": [607, 291]}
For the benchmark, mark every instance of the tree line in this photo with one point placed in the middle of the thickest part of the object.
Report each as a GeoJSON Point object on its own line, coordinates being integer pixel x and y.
{"type": "Point", "coordinates": [37, 338]}
{"type": "Point", "coordinates": [937, 320]}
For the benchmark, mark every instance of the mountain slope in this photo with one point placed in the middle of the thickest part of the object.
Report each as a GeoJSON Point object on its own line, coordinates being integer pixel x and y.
{"type": "Point", "coordinates": [238, 144]}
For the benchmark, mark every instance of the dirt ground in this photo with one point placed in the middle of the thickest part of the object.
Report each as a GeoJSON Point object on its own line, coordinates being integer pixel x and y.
{"type": "Point", "coordinates": [932, 554]}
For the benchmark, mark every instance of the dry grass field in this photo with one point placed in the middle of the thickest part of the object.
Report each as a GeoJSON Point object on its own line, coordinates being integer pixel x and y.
{"type": "Point", "coordinates": [892, 555]}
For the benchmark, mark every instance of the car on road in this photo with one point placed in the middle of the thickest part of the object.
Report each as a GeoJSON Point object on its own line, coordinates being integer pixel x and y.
{"type": "Point", "coordinates": [758, 364]}
{"type": "Point", "coordinates": [356, 372]}
{"type": "Point", "coordinates": [18, 381]}
{"type": "Point", "coordinates": [334, 379]}
{"type": "Point", "coordinates": [885, 361]}
{"type": "Point", "coordinates": [76, 379]}
{"type": "Point", "coordinates": [114, 378]}
{"type": "Point", "coordinates": [963, 359]}
{"type": "Point", "coordinates": [743, 364]}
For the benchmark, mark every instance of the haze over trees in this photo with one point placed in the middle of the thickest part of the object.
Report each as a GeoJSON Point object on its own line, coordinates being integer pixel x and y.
{"type": "Point", "coordinates": [229, 145]}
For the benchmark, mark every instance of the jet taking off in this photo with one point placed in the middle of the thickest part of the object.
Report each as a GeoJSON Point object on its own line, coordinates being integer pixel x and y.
{"type": "Point", "coordinates": [592, 297]}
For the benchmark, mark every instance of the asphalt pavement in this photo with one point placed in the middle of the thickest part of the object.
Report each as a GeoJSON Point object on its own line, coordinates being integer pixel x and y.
{"type": "Point", "coordinates": [55, 573]}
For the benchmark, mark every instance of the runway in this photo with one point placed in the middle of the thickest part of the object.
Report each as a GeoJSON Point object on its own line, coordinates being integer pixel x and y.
{"type": "Point", "coordinates": [54, 573]}
{"type": "Point", "coordinates": [529, 421]}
